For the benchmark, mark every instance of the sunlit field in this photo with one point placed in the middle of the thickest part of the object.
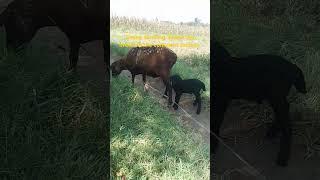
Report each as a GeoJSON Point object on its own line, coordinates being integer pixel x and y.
{"type": "Point", "coordinates": [146, 140]}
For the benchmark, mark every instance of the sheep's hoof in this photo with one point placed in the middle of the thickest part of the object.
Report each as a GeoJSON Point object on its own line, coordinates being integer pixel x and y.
{"type": "Point", "coordinates": [198, 112]}
{"type": "Point", "coordinates": [145, 88]}
{"type": "Point", "coordinates": [71, 69]}
{"type": "Point", "coordinates": [175, 107]}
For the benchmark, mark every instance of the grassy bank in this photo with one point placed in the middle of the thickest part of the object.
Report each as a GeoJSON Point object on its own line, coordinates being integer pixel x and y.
{"type": "Point", "coordinates": [148, 143]}
{"type": "Point", "coordinates": [51, 126]}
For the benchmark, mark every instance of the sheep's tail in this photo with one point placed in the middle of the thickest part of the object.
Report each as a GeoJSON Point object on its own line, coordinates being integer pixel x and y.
{"type": "Point", "coordinates": [203, 87]}
{"type": "Point", "coordinates": [299, 81]}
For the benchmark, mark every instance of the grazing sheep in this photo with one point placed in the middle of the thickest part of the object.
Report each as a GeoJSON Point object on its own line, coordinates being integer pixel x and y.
{"type": "Point", "coordinates": [257, 78]}
{"type": "Point", "coordinates": [80, 22]}
{"type": "Point", "coordinates": [190, 86]}
{"type": "Point", "coordinates": [155, 61]}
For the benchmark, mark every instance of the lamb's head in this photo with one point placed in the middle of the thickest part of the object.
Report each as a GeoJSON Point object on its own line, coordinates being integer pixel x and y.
{"type": "Point", "coordinates": [174, 79]}
{"type": "Point", "coordinates": [117, 67]}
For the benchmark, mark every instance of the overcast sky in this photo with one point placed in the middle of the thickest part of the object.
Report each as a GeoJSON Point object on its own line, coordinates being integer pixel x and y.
{"type": "Point", "coordinates": [164, 10]}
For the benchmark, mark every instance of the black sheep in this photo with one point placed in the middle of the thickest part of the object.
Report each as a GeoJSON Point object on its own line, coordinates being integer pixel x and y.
{"type": "Point", "coordinates": [219, 52]}
{"type": "Point", "coordinates": [190, 86]}
{"type": "Point", "coordinates": [256, 78]}
{"type": "Point", "coordinates": [81, 22]}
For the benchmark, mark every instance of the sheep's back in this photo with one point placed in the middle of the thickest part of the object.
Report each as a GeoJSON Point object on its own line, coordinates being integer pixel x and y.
{"type": "Point", "coordinates": [151, 58]}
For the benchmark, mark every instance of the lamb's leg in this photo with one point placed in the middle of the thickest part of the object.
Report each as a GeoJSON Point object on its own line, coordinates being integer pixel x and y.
{"type": "Point", "coordinates": [177, 99]}
{"type": "Point", "coordinates": [195, 102]}
{"type": "Point", "coordinates": [74, 55]}
{"type": "Point", "coordinates": [165, 91]}
{"type": "Point", "coordinates": [281, 109]}
{"type": "Point", "coordinates": [198, 100]}
{"type": "Point", "coordinates": [220, 105]}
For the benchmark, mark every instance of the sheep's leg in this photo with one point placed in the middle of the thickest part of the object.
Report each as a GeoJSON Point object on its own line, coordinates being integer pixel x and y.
{"type": "Point", "coordinates": [282, 115]}
{"type": "Point", "coordinates": [195, 102]}
{"type": "Point", "coordinates": [170, 91]}
{"type": "Point", "coordinates": [219, 108]}
{"type": "Point", "coordinates": [198, 100]}
{"type": "Point", "coordinates": [74, 55]}
{"type": "Point", "coordinates": [168, 86]}
{"type": "Point", "coordinates": [17, 36]}
{"type": "Point", "coordinates": [144, 82]}
{"type": "Point", "coordinates": [273, 130]}
{"type": "Point", "coordinates": [132, 78]}
{"type": "Point", "coordinates": [165, 91]}
{"type": "Point", "coordinates": [177, 99]}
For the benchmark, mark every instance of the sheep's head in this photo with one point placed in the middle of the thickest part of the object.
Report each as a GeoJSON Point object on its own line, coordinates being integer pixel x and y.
{"type": "Point", "coordinates": [116, 67]}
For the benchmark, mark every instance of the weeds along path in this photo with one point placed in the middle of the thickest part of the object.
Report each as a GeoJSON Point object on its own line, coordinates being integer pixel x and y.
{"type": "Point", "coordinates": [202, 125]}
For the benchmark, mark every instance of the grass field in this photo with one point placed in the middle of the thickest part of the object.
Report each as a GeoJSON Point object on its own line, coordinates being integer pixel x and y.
{"type": "Point", "coordinates": [243, 30]}
{"type": "Point", "coordinates": [51, 125]}
{"type": "Point", "coordinates": [146, 141]}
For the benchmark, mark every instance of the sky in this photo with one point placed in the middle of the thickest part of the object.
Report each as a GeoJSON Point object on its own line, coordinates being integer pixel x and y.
{"type": "Point", "coordinates": [165, 10]}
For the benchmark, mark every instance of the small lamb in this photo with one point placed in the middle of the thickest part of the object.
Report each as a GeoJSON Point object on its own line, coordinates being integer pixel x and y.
{"type": "Point", "coordinates": [190, 86]}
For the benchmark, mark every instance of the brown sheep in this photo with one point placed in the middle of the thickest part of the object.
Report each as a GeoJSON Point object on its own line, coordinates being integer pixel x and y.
{"type": "Point", "coordinates": [154, 61]}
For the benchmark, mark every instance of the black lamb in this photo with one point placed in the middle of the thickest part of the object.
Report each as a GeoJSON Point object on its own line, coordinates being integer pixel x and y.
{"type": "Point", "coordinates": [256, 78]}
{"type": "Point", "coordinates": [190, 86]}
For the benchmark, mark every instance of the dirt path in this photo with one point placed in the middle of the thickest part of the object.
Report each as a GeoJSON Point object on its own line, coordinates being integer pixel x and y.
{"type": "Point", "coordinates": [260, 153]}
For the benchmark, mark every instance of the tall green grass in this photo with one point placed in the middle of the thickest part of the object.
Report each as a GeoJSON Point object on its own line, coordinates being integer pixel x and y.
{"type": "Point", "coordinates": [51, 126]}
{"type": "Point", "coordinates": [148, 143]}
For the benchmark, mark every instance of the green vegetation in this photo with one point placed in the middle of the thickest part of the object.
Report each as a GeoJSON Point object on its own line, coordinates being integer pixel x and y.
{"type": "Point", "coordinates": [51, 125]}
{"type": "Point", "coordinates": [287, 28]}
{"type": "Point", "coordinates": [147, 142]}
{"type": "Point", "coordinates": [191, 63]}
